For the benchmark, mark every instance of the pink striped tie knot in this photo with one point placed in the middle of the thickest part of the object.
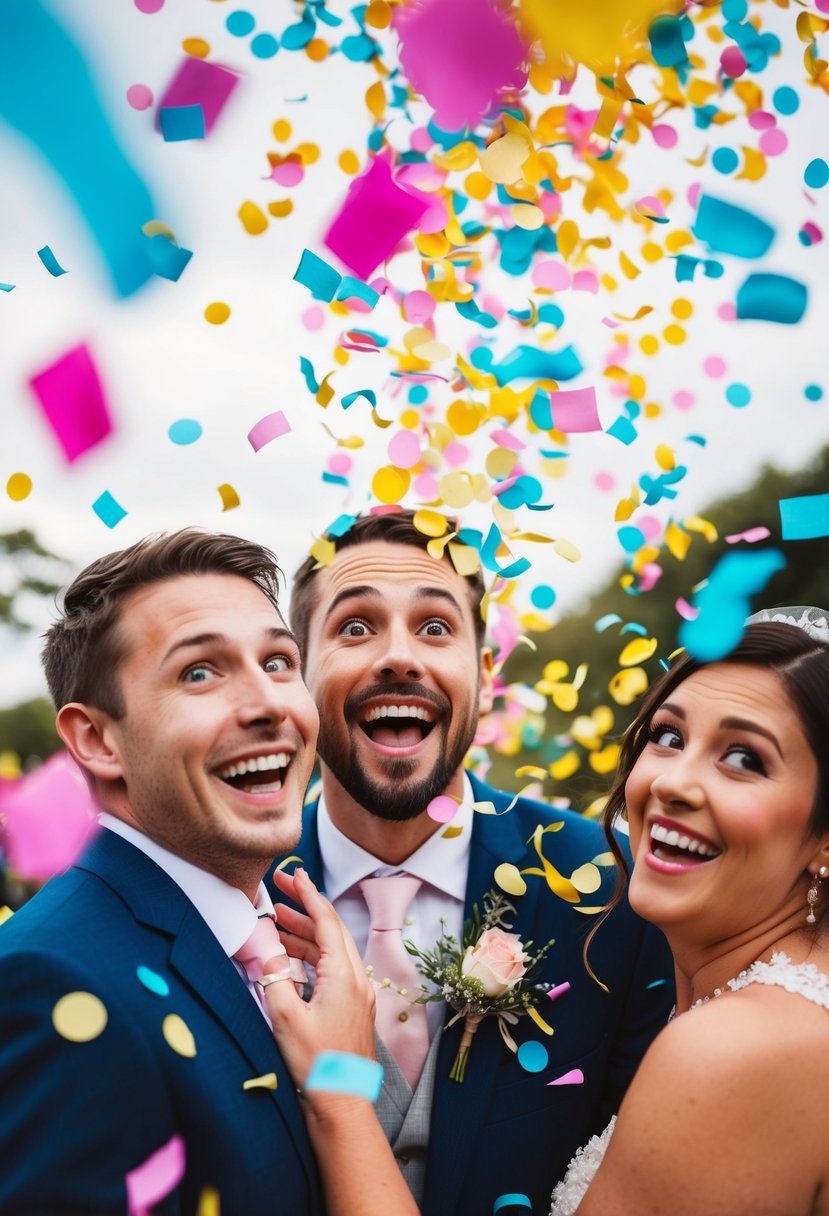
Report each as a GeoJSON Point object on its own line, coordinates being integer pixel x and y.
{"type": "Point", "coordinates": [263, 945]}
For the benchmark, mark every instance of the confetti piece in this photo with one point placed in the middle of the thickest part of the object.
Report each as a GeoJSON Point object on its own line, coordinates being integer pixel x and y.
{"type": "Point", "coordinates": [167, 259]}
{"type": "Point", "coordinates": [198, 83]}
{"type": "Point", "coordinates": [373, 219]}
{"type": "Point", "coordinates": [178, 1035]}
{"type": "Point", "coordinates": [726, 228]}
{"type": "Point", "coordinates": [72, 399]}
{"type": "Point", "coordinates": [509, 879]}
{"type": "Point", "coordinates": [637, 651]}
{"type": "Point", "coordinates": [772, 297]}
{"type": "Point", "coordinates": [575, 411]}
{"type": "Point", "coordinates": [512, 1200]}
{"type": "Point", "coordinates": [185, 431]}
{"type": "Point", "coordinates": [627, 685]}
{"type": "Point", "coordinates": [586, 879]}
{"type": "Point", "coordinates": [533, 1056]}
{"type": "Point", "coordinates": [340, 1072]}
{"type": "Point", "coordinates": [229, 497]}
{"type": "Point", "coordinates": [50, 262]}
{"type": "Point", "coordinates": [108, 509]}
{"type": "Point", "coordinates": [19, 486]}
{"type": "Point", "coordinates": [558, 990]}
{"type": "Point", "coordinates": [574, 1077]}
{"type": "Point", "coordinates": [805, 518]}
{"type": "Point", "coordinates": [156, 1177]}
{"type": "Point", "coordinates": [442, 809]}
{"type": "Point", "coordinates": [5, 914]}
{"type": "Point", "coordinates": [667, 45]}
{"type": "Point", "coordinates": [267, 1081]}
{"type": "Point", "coordinates": [149, 6]}
{"type": "Point", "coordinates": [253, 218]}
{"type": "Point", "coordinates": [272, 426]}
{"type": "Point", "coordinates": [321, 279]}
{"type": "Point", "coordinates": [152, 981]}
{"type": "Point", "coordinates": [79, 1017]}
{"type": "Point", "coordinates": [217, 313]}
{"type": "Point", "coordinates": [816, 174]}
{"type": "Point", "coordinates": [181, 123]}
{"type": "Point", "coordinates": [435, 55]}
{"type": "Point", "coordinates": [539, 1021]}
{"type": "Point", "coordinates": [389, 484]}
{"type": "Point", "coordinates": [724, 602]}
{"type": "Point", "coordinates": [367, 393]}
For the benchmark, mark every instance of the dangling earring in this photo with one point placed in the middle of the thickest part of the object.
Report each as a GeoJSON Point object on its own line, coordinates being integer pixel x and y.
{"type": "Point", "coordinates": [813, 893]}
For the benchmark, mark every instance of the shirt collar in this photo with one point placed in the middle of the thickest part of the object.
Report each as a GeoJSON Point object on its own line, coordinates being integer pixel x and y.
{"type": "Point", "coordinates": [442, 861]}
{"type": "Point", "coordinates": [229, 914]}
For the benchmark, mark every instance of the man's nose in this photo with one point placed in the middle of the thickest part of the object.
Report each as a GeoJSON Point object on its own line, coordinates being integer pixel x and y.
{"type": "Point", "coordinates": [261, 698]}
{"type": "Point", "coordinates": [398, 654]}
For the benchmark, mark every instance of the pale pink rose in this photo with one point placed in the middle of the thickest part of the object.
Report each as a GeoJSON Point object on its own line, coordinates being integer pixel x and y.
{"type": "Point", "coordinates": [497, 960]}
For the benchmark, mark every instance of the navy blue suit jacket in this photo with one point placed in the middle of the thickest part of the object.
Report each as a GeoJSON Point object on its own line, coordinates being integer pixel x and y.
{"type": "Point", "coordinates": [503, 1129]}
{"type": "Point", "coordinates": [76, 1117]}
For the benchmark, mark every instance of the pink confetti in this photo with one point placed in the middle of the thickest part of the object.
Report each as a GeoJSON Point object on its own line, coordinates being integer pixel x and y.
{"type": "Point", "coordinates": [574, 1077]}
{"type": "Point", "coordinates": [650, 525]}
{"type": "Point", "coordinates": [442, 809]}
{"type": "Point", "coordinates": [455, 454]}
{"type": "Point", "coordinates": [404, 449]}
{"type": "Point", "coordinates": [586, 280]}
{"type": "Point", "coordinates": [49, 816]}
{"type": "Point", "coordinates": [459, 54]}
{"type": "Point", "coordinates": [313, 318]}
{"type": "Point", "coordinates": [686, 610]}
{"type": "Point", "coordinates": [664, 136]}
{"type": "Point", "coordinates": [73, 401]}
{"type": "Point", "coordinates": [683, 399]}
{"type": "Point", "coordinates": [156, 1177]}
{"type": "Point", "coordinates": [340, 464]}
{"type": "Point", "coordinates": [272, 426]}
{"type": "Point", "coordinates": [575, 410]}
{"type": "Point", "coordinates": [506, 439]}
{"type": "Point", "coordinates": [559, 990]}
{"type": "Point", "coordinates": [761, 120]}
{"type": "Point", "coordinates": [199, 82]}
{"type": "Point", "coordinates": [751, 535]}
{"type": "Point", "coordinates": [649, 576]}
{"type": "Point", "coordinates": [140, 96]}
{"type": "Point", "coordinates": [374, 217]}
{"type": "Point", "coordinates": [288, 173]}
{"type": "Point", "coordinates": [149, 6]}
{"type": "Point", "coordinates": [733, 62]}
{"type": "Point", "coordinates": [418, 307]}
{"type": "Point", "coordinates": [773, 142]}
{"type": "Point", "coordinates": [727, 311]}
{"type": "Point", "coordinates": [552, 276]}
{"type": "Point", "coordinates": [421, 140]}
{"type": "Point", "coordinates": [604, 481]}
{"type": "Point", "coordinates": [714, 366]}
{"type": "Point", "coordinates": [812, 232]}
{"type": "Point", "coordinates": [426, 486]}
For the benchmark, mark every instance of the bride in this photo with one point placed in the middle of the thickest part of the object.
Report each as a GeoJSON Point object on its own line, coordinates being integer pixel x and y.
{"type": "Point", "coordinates": [724, 781]}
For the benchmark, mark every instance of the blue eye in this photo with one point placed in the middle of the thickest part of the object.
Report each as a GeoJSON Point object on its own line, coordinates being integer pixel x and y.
{"type": "Point", "coordinates": [199, 673]}
{"type": "Point", "coordinates": [278, 662]}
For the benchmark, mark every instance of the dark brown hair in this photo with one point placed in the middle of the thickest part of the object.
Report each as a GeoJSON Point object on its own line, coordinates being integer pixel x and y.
{"type": "Point", "coordinates": [83, 650]}
{"type": "Point", "coordinates": [397, 529]}
{"type": "Point", "coordinates": [802, 666]}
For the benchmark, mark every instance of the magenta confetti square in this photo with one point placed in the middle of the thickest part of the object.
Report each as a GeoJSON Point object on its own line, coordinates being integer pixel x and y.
{"type": "Point", "coordinates": [72, 398]}
{"type": "Point", "coordinates": [372, 221]}
{"type": "Point", "coordinates": [199, 82]}
{"type": "Point", "coordinates": [575, 410]}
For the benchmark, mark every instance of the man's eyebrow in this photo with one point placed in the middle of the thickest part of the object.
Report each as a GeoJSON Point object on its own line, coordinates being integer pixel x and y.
{"type": "Point", "coordinates": [439, 593]}
{"type": "Point", "coordinates": [368, 592]}
{"type": "Point", "coordinates": [279, 633]}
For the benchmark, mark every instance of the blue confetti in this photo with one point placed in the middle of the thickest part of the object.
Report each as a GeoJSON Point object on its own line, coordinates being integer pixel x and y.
{"type": "Point", "coordinates": [152, 981]}
{"type": "Point", "coordinates": [179, 123]}
{"type": "Point", "coordinates": [724, 603]}
{"type": "Point", "coordinates": [108, 509]}
{"type": "Point", "coordinates": [321, 279]}
{"type": "Point", "coordinates": [805, 518]}
{"type": "Point", "coordinates": [185, 431]}
{"type": "Point", "coordinates": [729, 229]}
{"type": "Point", "coordinates": [340, 1072]}
{"type": "Point", "coordinates": [772, 297]}
{"type": "Point", "coordinates": [533, 1056]}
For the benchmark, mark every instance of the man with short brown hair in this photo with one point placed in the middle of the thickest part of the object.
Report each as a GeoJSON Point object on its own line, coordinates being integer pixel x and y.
{"type": "Point", "coordinates": [131, 1023]}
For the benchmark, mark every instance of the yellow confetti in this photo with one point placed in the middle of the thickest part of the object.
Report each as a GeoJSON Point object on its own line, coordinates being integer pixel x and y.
{"type": "Point", "coordinates": [665, 457]}
{"type": "Point", "coordinates": [348, 161]}
{"type": "Point", "coordinates": [539, 1021]}
{"type": "Point", "coordinates": [282, 129]}
{"type": "Point", "coordinates": [19, 486]}
{"type": "Point", "coordinates": [217, 313]}
{"type": "Point", "coordinates": [527, 216]}
{"type": "Point", "coordinates": [566, 765]}
{"type": "Point", "coordinates": [465, 559]}
{"type": "Point", "coordinates": [378, 15]}
{"type": "Point", "coordinates": [508, 878]}
{"type": "Point", "coordinates": [451, 832]}
{"type": "Point", "coordinates": [639, 650]}
{"type": "Point", "coordinates": [229, 497]}
{"type": "Point", "coordinates": [456, 490]}
{"type": "Point", "coordinates": [586, 879]}
{"type": "Point", "coordinates": [158, 228]}
{"type": "Point", "coordinates": [317, 50]}
{"type": "Point", "coordinates": [464, 417]}
{"type": "Point", "coordinates": [503, 160]}
{"type": "Point", "coordinates": [677, 540]}
{"type": "Point", "coordinates": [197, 47]}
{"type": "Point", "coordinates": [557, 883]}
{"type": "Point", "coordinates": [627, 685]}
{"type": "Point", "coordinates": [178, 1035]}
{"type": "Point", "coordinates": [605, 761]}
{"type": "Point", "coordinates": [532, 770]}
{"type": "Point", "coordinates": [209, 1204]}
{"type": "Point", "coordinates": [281, 207]}
{"type": "Point", "coordinates": [389, 484]}
{"type": "Point", "coordinates": [500, 462]}
{"type": "Point", "coordinates": [286, 861]}
{"type": "Point", "coordinates": [254, 220]}
{"type": "Point", "coordinates": [567, 550]}
{"type": "Point", "coordinates": [267, 1081]}
{"type": "Point", "coordinates": [704, 526]}
{"type": "Point", "coordinates": [79, 1017]}
{"type": "Point", "coordinates": [430, 523]}
{"type": "Point", "coordinates": [5, 914]}
{"type": "Point", "coordinates": [323, 551]}
{"type": "Point", "coordinates": [376, 100]}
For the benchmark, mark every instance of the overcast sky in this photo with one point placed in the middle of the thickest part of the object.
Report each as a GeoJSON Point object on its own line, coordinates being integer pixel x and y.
{"type": "Point", "coordinates": [160, 361]}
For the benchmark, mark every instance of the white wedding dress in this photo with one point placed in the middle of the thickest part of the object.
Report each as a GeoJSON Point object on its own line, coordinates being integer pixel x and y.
{"type": "Point", "coordinates": [781, 972]}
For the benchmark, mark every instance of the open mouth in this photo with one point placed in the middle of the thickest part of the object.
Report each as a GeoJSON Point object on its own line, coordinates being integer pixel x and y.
{"type": "Point", "coordinates": [667, 844]}
{"type": "Point", "coordinates": [257, 774]}
{"type": "Point", "coordinates": [398, 725]}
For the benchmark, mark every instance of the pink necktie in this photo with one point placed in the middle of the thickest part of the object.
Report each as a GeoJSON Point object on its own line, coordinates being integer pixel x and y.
{"type": "Point", "coordinates": [401, 1025]}
{"type": "Point", "coordinates": [263, 944]}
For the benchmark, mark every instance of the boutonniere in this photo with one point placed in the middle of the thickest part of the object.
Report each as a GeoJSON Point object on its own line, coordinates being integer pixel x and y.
{"type": "Point", "coordinates": [490, 975]}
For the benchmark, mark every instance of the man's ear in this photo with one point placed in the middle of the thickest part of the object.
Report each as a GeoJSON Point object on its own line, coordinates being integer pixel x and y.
{"type": "Point", "coordinates": [87, 733]}
{"type": "Point", "coordinates": [486, 695]}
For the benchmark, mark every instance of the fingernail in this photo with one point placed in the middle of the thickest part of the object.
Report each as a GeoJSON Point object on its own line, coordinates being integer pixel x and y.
{"type": "Point", "coordinates": [302, 871]}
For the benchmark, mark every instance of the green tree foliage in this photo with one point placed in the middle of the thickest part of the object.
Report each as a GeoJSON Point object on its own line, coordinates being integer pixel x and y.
{"type": "Point", "coordinates": [28, 730]}
{"type": "Point", "coordinates": [804, 580]}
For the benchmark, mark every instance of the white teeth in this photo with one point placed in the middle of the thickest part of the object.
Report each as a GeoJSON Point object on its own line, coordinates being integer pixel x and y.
{"type": "Point", "coordinates": [265, 789]}
{"type": "Point", "coordinates": [674, 840]}
{"type": "Point", "coordinates": [399, 711]}
{"type": "Point", "coordinates": [256, 764]}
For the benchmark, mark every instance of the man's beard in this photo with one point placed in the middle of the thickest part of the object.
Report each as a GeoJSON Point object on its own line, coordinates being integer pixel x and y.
{"type": "Point", "coordinates": [394, 798]}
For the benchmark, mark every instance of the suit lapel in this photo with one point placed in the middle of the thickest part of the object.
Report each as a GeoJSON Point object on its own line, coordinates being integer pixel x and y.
{"type": "Point", "coordinates": [196, 956]}
{"type": "Point", "coordinates": [459, 1109]}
